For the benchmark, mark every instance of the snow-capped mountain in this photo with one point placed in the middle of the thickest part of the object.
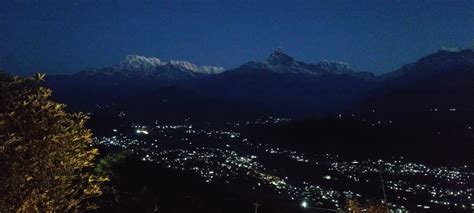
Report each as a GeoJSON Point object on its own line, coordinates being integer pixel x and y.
{"type": "Point", "coordinates": [139, 63]}
{"type": "Point", "coordinates": [184, 65]}
{"type": "Point", "coordinates": [153, 68]}
{"type": "Point", "coordinates": [284, 85]}
{"type": "Point", "coordinates": [142, 63]}
{"type": "Point", "coordinates": [280, 62]}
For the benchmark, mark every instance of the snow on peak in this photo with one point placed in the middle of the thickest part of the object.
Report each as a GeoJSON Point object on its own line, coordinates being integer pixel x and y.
{"type": "Point", "coordinates": [142, 63]}
{"type": "Point", "coordinates": [211, 69]}
{"type": "Point", "coordinates": [185, 65]}
{"type": "Point", "coordinates": [136, 62]}
{"type": "Point", "coordinates": [335, 66]}
{"type": "Point", "coordinates": [450, 49]}
{"type": "Point", "coordinates": [279, 61]}
{"type": "Point", "coordinates": [279, 50]}
{"type": "Point", "coordinates": [278, 56]}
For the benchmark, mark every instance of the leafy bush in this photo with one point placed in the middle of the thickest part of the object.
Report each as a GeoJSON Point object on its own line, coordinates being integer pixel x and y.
{"type": "Point", "coordinates": [46, 156]}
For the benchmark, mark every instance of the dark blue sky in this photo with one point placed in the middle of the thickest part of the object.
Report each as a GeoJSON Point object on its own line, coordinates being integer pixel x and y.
{"type": "Point", "coordinates": [69, 35]}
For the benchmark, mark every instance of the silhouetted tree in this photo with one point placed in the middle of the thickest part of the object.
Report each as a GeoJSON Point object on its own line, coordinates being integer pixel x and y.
{"type": "Point", "coordinates": [45, 152]}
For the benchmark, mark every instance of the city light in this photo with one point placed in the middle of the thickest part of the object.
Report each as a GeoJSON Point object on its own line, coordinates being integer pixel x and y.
{"type": "Point", "coordinates": [217, 160]}
{"type": "Point", "coordinates": [304, 204]}
{"type": "Point", "coordinates": [141, 131]}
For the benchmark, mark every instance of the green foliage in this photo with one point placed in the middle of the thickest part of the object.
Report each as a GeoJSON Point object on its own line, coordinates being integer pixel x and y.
{"type": "Point", "coordinates": [46, 156]}
{"type": "Point", "coordinates": [105, 166]}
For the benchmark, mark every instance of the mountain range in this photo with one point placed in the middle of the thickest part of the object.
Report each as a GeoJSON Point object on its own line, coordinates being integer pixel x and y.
{"type": "Point", "coordinates": [139, 67]}
{"type": "Point", "coordinates": [280, 85]}
{"type": "Point", "coordinates": [135, 67]}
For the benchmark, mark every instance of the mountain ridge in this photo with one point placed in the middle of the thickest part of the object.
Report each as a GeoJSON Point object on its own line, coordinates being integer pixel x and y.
{"type": "Point", "coordinates": [136, 66]}
{"type": "Point", "coordinates": [280, 62]}
{"type": "Point", "coordinates": [287, 86]}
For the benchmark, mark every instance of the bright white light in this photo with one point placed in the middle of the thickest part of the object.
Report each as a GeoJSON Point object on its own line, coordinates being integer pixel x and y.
{"type": "Point", "coordinates": [139, 131]}
{"type": "Point", "coordinates": [304, 204]}
{"type": "Point", "coordinates": [327, 177]}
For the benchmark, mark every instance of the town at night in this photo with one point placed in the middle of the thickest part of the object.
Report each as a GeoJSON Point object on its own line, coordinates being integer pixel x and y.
{"type": "Point", "coordinates": [237, 106]}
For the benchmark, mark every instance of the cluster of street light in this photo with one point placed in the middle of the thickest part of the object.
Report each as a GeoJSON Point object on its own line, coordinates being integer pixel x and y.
{"type": "Point", "coordinates": [222, 163]}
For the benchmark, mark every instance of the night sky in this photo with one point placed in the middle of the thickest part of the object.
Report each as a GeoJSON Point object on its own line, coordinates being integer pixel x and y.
{"type": "Point", "coordinates": [65, 36]}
